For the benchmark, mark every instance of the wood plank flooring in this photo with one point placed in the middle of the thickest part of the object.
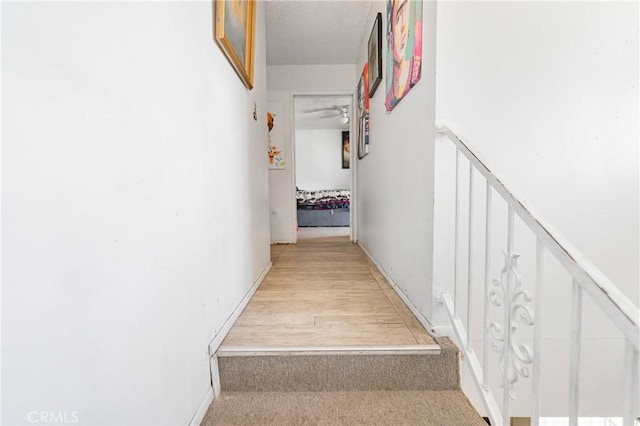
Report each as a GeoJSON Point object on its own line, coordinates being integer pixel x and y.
{"type": "Point", "coordinates": [325, 292]}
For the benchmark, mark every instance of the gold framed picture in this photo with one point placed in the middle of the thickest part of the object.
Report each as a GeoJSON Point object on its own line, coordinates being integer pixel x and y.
{"type": "Point", "coordinates": [235, 24]}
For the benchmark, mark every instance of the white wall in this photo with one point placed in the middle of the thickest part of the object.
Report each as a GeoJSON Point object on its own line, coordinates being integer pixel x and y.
{"type": "Point", "coordinates": [395, 180]}
{"type": "Point", "coordinates": [548, 93]}
{"type": "Point", "coordinates": [319, 160]}
{"type": "Point", "coordinates": [282, 82]}
{"type": "Point", "coordinates": [311, 78]}
{"type": "Point", "coordinates": [135, 211]}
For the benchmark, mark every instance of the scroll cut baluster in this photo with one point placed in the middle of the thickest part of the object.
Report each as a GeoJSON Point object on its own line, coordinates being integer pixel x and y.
{"type": "Point", "coordinates": [509, 294]}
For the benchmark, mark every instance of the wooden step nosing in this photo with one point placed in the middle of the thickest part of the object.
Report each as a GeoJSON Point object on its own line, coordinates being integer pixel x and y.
{"type": "Point", "coordinates": [234, 351]}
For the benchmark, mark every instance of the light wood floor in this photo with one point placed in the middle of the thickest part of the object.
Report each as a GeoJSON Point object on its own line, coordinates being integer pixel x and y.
{"type": "Point", "coordinates": [324, 292]}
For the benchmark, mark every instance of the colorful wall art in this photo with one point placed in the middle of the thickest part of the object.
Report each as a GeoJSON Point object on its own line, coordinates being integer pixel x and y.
{"type": "Point", "coordinates": [404, 49]}
{"type": "Point", "coordinates": [275, 153]}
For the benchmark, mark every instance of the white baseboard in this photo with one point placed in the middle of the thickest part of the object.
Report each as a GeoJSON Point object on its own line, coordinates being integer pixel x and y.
{"type": "Point", "coordinates": [419, 316]}
{"type": "Point", "coordinates": [222, 333]}
{"type": "Point", "coordinates": [202, 410]}
{"type": "Point", "coordinates": [214, 390]}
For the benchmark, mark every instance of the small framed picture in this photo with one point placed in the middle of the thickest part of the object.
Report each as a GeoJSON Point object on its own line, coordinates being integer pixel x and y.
{"type": "Point", "coordinates": [346, 150]}
{"type": "Point", "coordinates": [375, 55]}
{"type": "Point", "coordinates": [362, 124]}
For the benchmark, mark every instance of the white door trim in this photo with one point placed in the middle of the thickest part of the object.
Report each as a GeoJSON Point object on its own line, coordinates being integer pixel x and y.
{"type": "Point", "coordinates": [352, 161]}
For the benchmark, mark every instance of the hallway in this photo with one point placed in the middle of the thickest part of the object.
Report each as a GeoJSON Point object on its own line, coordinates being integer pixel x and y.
{"type": "Point", "coordinates": [139, 205]}
{"type": "Point", "coordinates": [325, 292]}
{"type": "Point", "coordinates": [326, 340]}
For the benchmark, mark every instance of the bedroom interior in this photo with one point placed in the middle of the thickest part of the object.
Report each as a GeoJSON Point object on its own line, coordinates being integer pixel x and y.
{"type": "Point", "coordinates": [322, 164]}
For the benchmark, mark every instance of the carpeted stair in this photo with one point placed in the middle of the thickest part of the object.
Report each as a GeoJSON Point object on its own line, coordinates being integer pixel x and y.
{"type": "Point", "coordinates": [338, 389]}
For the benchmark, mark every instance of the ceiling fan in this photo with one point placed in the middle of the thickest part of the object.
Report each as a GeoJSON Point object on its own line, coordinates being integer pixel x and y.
{"type": "Point", "coordinates": [341, 111]}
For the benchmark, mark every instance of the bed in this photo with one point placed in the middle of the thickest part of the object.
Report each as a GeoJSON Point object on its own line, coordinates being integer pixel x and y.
{"type": "Point", "coordinates": [324, 208]}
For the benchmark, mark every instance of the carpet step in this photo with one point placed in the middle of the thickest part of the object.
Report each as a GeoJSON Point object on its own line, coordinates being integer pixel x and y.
{"type": "Point", "coordinates": [441, 408]}
{"type": "Point", "coordinates": [308, 372]}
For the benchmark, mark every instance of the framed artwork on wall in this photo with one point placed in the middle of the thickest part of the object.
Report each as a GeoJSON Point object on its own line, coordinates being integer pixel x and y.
{"type": "Point", "coordinates": [375, 55]}
{"type": "Point", "coordinates": [275, 150]}
{"type": "Point", "coordinates": [404, 49]}
{"type": "Point", "coordinates": [235, 23]}
{"type": "Point", "coordinates": [362, 124]}
{"type": "Point", "coordinates": [346, 151]}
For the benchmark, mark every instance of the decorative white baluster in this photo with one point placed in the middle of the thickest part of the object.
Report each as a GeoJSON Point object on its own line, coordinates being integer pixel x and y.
{"type": "Point", "coordinates": [470, 258]}
{"type": "Point", "coordinates": [487, 283]}
{"type": "Point", "coordinates": [537, 336]}
{"type": "Point", "coordinates": [506, 353]}
{"type": "Point", "coordinates": [508, 292]}
{"type": "Point", "coordinates": [631, 380]}
{"type": "Point", "coordinates": [455, 242]}
{"type": "Point", "coordinates": [574, 362]}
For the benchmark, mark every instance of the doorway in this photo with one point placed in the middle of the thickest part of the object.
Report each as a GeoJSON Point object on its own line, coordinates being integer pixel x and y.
{"type": "Point", "coordinates": [324, 166]}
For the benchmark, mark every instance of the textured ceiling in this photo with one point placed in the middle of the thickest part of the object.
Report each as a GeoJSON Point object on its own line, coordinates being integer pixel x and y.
{"type": "Point", "coordinates": [312, 32]}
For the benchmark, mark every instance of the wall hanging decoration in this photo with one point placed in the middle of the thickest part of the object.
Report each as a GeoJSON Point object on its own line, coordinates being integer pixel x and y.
{"type": "Point", "coordinates": [404, 49]}
{"type": "Point", "coordinates": [362, 125]}
{"type": "Point", "coordinates": [235, 22]}
{"type": "Point", "coordinates": [346, 151]}
{"type": "Point", "coordinates": [375, 55]}
{"type": "Point", "coordinates": [276, 136]}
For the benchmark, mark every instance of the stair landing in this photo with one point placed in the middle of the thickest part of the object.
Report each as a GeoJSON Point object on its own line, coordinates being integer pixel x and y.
{"type": "Point", "coordinates": [324, 294]}
{"type": "Point", "coordinates": [326, 340]}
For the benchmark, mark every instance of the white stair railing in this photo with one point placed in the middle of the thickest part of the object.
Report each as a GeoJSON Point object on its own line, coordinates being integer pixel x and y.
{"type": "Point", "coordinates": [508, 293]}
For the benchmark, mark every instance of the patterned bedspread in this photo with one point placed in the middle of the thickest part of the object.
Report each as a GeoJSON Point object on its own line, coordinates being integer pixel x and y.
{"type": "Point", "coordinates": [324, 199]}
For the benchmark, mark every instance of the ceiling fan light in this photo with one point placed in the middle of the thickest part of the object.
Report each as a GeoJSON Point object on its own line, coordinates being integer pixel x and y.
{"type": "Point", "coordinates": [344, 119]}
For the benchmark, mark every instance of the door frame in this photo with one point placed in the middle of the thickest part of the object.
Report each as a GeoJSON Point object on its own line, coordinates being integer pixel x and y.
{"type": "Point", "coordinates": [352, 161]}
